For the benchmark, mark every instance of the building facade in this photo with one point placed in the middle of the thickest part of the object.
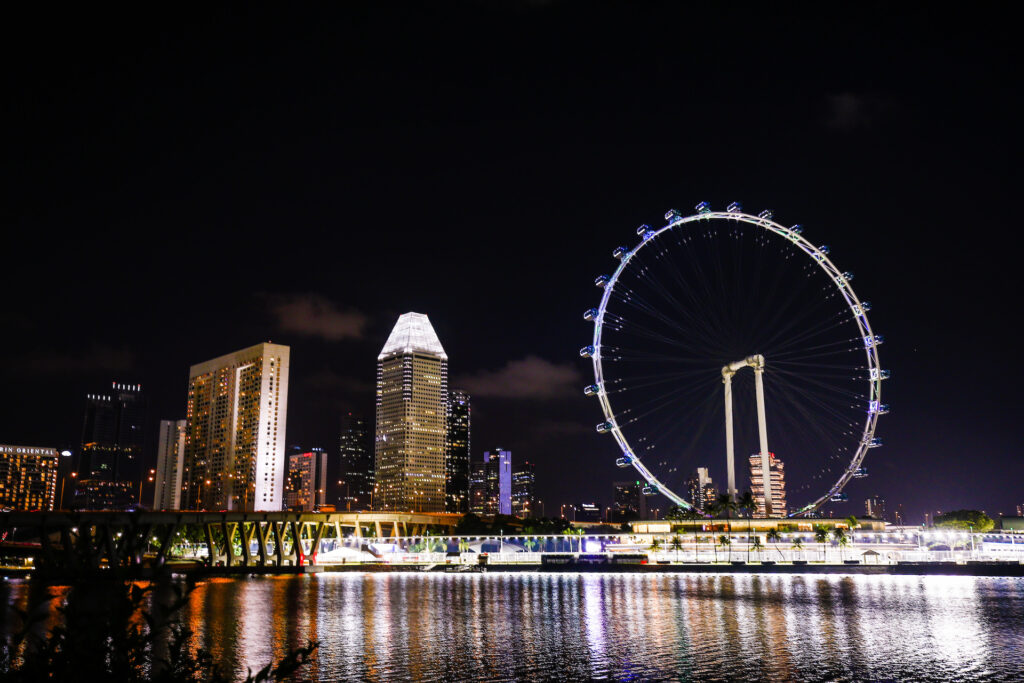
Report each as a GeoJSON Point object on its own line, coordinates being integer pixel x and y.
{"type": "Point", "coordinates": [456, 455]}
{"type": "Point", "coordinates": [701, 489]}
{"type": "Point", "coordinates": [170, 465]}
{"type": "Point", "coordinates": [491, 484]}
{"type": "Point", "coordinates": [113, 434]}
{"type": "Point", "coordinates": [356, 464]}
{"type": "Point", "coordinates": [629, 502]}
{"type": "Point", "coordinates": [777, 473]}
{"type": "Point", "coordinates": [236, 417]}
{"type": "Point", "coordinates": [28, 477]}
{"type": "Point", "coordinates": [306, 489]}
{"type": "Point", "coordinates": [524, 491]}
{"type": "Point", "coordinates": [874, 507]}
{"type": "Point", "coordinates": [412, 402]}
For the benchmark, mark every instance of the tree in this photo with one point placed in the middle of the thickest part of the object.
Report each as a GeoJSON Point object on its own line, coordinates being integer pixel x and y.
{"type": "Point", "coordinates": [798, 545]}
{"type": "Point", "coordinates": [842, 539]}
{"type": "Point", "coordinates": [756, 547]}
{"type": "Point", "coordinates": [968, 520]}
{"type": "Point", "coordinates": [656, 545]}
{"type": "Point", "coordinates": [852, 522]}
{"type": "Point", "coordinates": [747, 505]}
{"type": "Point", "coordinates": [726, 507]}
{"type": "Point", "coordinates": [677, 545]}
{"type": "Point", "coordinates": [821, 536]}
{"type": "Point", "coordinates": [725, 542]}
{"type": "Point", "coordinates": [773, 536]}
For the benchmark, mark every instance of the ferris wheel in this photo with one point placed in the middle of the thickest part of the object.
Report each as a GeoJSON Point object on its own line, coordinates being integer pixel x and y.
{"type": "Point", "coordinates": [727, 319]}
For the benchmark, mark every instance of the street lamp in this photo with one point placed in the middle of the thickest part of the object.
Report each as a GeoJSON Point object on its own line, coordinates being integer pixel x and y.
{"type": "Point", "coordinates": [74, 475]}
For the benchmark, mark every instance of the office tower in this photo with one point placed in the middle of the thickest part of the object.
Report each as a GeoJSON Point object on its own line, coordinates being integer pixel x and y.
{"type": "Point", "coordinates": [236, 416]}
{"type": "Point", "coordinates": [778, 483]}
{"type": "Point", "coordinates": [588, 512]}
{"type": "Point", "coordinates": [701, 489]}
{"type": "Point", "coordinates": [629, 502]}
{"type": "Point", "coordinates": [112, 434]}
{"type": "Point", "coordinates": [524, 491]}
{"type": "Point", "coordinates": [874, 507]}
{"type": "Point", "coordinates": [170, 465]}
{"type": "Point", "coordinates": [28, 477]}
{"type": "Point", "coordinates": [105, 494]}
{"type": "Point", "coordinates": [498, 474]}
{"type": "Point", "coordinates": [412, 397]}
{"type": "Point", "coordinates": [456, 455]}
{"type": "Point", "coordinates": [477, 488]}
{"type": "Point", "coordinates": [307, 481]}
{"type": "Point", "coordinates": [356, 473]}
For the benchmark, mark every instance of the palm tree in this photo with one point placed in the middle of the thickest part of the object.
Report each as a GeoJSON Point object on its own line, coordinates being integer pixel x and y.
{"type": "Point", "coordinates": [821, 536]}
{"type": "Point", "coordinates": [798, 545]}
{"type": "Point", "coordinates": [725, 506]}
{"type": "Point", "coordinates": [677, 545]}
{"type": "Point", "coordinates": [842, 539]}
{"type": "Point", "coordinates": [756, 547]}
{"type": "Point", "coordinates": [694, 516]}
{"type": "Point", "coordinates": [725, 542]}
{"type": "Point", "coordinates": [655, 545]}
{"type": "Point", "coordinates": [773, 536]}
{"type": "Point", "coordinates": [852, 522]}
{"type": "Point", "coordinates": [747, 505]}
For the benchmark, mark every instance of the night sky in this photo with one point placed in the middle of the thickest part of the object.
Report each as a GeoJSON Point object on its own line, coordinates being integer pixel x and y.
{"type": "Point", "coordinates": [181, 186]}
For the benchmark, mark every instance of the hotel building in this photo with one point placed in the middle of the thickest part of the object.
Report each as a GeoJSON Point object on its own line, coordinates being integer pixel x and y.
{"type": "Point", "coordinates": [236, 417]}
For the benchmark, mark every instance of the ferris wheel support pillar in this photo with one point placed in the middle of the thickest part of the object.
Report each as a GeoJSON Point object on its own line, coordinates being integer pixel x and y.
{"type": "Point", "coordinates": [730, 456]}
{"type": "Point", "coordinates": [762, 432]}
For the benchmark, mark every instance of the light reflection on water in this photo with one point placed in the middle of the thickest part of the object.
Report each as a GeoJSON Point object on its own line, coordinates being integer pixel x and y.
{"type": "Point", "coordinates": [435, 627]}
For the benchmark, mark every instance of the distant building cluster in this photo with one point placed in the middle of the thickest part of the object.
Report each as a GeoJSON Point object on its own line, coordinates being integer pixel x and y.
{"type": "Point", "coordinates": [229, 451]}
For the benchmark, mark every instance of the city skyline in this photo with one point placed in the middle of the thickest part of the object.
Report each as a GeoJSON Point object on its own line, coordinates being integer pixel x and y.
{"type": "Point", "coordinates": [493, 203]}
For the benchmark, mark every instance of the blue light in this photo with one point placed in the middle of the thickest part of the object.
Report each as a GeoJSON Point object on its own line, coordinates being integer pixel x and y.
{"type": "Point", "coordinates": [587, 351]}
{"type": "Point", "coordinates": [624, 461]}
{"type": "Point", "coordinates": [620, 252]}
{"type": "Point", "coordinates": [590, 314]}
{"type": "Point", "coordinates": [672, 215]}
{"type": "Point", "coordinates": [766, 215]}
{"type": "Point", "coordinates": [642, 229]}
{"type": "Point", "coordinates": [601, 280]}
{"type": "Point", "coordinates": [591, 390]}
{"type": "Point", "coordinates": [604, 427]}
{"type": "Point", "coordinates": [703, 207]}
{"type": "Point", "coordinates": [735, 207]}
{"type": "Point", "coordinates": [797, 229]}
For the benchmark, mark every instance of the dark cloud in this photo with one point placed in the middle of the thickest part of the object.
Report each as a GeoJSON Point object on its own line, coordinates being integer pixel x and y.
{"type": "Point", "coordinates": [852, 111]}
{"type": "Point", "coordinates": [96, 359]}
{"type": "Point", "coordinates": [313, 315]}
{"type": "Point", "coordinates": [532, 377]}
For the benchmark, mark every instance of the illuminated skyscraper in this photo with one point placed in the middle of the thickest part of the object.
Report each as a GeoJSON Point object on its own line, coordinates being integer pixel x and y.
{"type": "Point", "coordinates": [356, 474]}
{"type": "Point", "coordinates": [778, 479]}
{"type": "Point", "coordinates": [236, 416]}
{"type": "Point", "coordinates": [630, 503]}
{"type": "Point", "coordinates": [170, 465]}
{"type": "Point", "coordinates": [456, 456]}
{"type": "Point", "coordinates": [701, 489]}
{"type": "Point", "coordinates": [874, 507]}
{"type": "Point", "coordinates": [112, 433]}
{"type": "Point", "coordinates": [524, 491]}
{"type": "Point", "coordinates": [412, 398]}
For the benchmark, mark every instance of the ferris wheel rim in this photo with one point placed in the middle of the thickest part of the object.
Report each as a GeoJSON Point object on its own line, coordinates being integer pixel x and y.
{"type": "Point", "coordinates": [839, 280]}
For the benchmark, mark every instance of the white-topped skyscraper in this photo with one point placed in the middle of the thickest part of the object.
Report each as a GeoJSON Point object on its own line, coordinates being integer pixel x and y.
{"type": "Point", "coordinates": [412, 397]}
{"type": "Point", "coordinates": [236, 416]}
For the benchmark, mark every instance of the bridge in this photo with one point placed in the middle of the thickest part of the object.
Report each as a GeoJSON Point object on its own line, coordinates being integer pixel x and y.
{"type": "Point", "coordinates": [81, 542]}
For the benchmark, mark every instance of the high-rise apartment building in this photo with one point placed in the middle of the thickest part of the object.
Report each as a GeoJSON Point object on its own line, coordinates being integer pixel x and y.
{"type": "Point", "coordinates": [112, 434]}
{"type": "Point", "coordinates": [778, 483]}
{"type": "Point", "coordinates": [412, 402]}
{"type": "Point", "coordinates": [170, 465]}
{"type": "Point", "coordinates": [234, 438]}
{"type": "Point", "coordinates": [524, 491]}
{"type": "Point", "coordinates": [28, 477]}
{"type": "Point", "coordinates": [629, 502]}
{"type": "Point", "coordinates": [456, 455]}
{"type": "Point", "coordinates": [701, 489]}
{"type": "Point", "coordinates": [477, 487]}
{"type": "Point", "coordinates": [874, 507]}
{"type": "Point", "coordinates": [356, 472]}
{"type": "Point", "coordinates": [306, 488]}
